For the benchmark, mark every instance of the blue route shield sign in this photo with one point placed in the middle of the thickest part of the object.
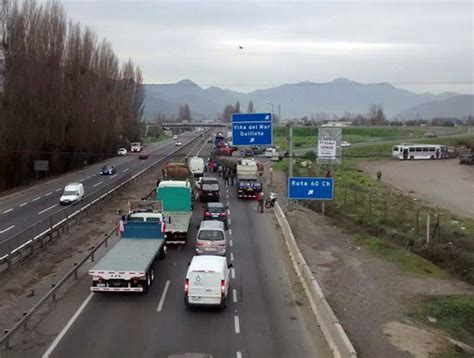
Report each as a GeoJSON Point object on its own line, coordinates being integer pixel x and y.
{"type": "Point", "coordinates": [252, 129]}
{"type": "Point", "coordinates": [302, 188]}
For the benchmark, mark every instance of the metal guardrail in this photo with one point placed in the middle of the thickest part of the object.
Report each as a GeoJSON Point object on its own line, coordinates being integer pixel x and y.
{"type": "Point", "coordinates": [23, 322]}
{"type": "Point", "coordinates": [13, 246]}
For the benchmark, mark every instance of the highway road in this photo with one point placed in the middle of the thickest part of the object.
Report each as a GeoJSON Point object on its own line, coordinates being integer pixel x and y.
{"type": "Point", "coordinates": [266, 314]}
{"type": "Point", "coordinates": [39, 204]}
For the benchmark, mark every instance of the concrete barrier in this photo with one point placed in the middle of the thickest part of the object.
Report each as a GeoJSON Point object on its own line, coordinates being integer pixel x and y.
{"type": "Point", "coordinates": [330, 325]}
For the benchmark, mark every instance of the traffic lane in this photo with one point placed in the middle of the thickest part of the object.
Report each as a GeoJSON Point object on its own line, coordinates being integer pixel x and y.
{"type": "Point", "coordinates": [15, 221]}
{"type": "Point", "coordinates": [273, 323]}
{"type": "Point", "coordinates": [13, 201]}
{"type": "Point", "coordinates": [199, 330]}
{"type": "Point", "coordinates": [131, 326]}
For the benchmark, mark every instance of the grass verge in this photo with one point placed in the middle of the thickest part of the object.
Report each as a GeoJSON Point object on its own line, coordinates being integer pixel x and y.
{"type": "Point", "coordinates": [453, 314]}
{"type": "Point", "coordinates": [402, 258]}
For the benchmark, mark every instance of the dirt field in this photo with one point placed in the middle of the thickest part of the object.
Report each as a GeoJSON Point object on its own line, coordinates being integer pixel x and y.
{"type": "Point", "coordinates": [368, 295]}
{"type": "Point", "coordinates": [441, 182]}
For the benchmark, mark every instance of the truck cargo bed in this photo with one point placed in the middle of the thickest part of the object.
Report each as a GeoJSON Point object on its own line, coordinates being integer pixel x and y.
{"type": "Point", "coordinates": [177, 230]}
{"type": "Point", "coordinates": [129, 256]}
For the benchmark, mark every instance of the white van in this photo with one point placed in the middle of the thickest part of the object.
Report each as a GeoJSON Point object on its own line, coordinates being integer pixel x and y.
{"type": "Point", "coordinates": [270, 152]}
{"type": "Point", "coordinates": [73, 192]}
{"type": "Point", "coordinates": [211, 238]}
{"type": "Point", "coordinates": [196, 166]}
{"type": "Point", "coordinates": [207, 281]}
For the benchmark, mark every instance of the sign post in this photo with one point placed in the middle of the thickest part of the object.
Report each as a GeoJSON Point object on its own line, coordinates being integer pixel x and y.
{"type": "Point", "coordinates": [252, 129]}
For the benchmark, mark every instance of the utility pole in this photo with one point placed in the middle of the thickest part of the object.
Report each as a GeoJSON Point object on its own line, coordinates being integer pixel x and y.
{"type": "Point", "coordinates": [290, 164]}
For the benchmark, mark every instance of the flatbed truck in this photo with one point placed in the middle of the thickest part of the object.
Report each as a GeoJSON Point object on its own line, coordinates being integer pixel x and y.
{"type": "Point", "coordinates": [129, 266]}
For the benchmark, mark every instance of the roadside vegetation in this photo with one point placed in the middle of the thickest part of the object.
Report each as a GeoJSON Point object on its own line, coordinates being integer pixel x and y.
{"type": "Point", "coordinates": [374, 209]}
{"type": "Point", "coordinates": [66, 97]}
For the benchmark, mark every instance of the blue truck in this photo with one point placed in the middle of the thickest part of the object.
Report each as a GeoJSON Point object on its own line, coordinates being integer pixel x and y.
{"type": "Point", "coordinates": [129, 266]}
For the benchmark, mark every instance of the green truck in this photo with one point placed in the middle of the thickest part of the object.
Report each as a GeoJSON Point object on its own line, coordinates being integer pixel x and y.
{"type": "Point", "coordinates": [176, 198]}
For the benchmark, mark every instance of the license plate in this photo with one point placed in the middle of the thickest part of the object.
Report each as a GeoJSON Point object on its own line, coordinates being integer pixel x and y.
{"type": "Point", "coordinates": [215, 216]}
{"type": "Point", "coordinates": [210, 249]}
{"type": "Point", "coordinates": [101, 285]}
{"type": "Point", "coordinates": [195, 299]}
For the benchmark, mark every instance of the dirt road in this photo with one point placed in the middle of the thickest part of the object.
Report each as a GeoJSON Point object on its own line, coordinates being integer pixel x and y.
{"type": "Point", "coordinates": [441, 182]}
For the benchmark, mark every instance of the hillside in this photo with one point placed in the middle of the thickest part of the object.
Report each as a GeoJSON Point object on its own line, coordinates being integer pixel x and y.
{"type": "Point", "coordinates": [296, 100]}
{"type": "Point", "coordinates": [457, 106]}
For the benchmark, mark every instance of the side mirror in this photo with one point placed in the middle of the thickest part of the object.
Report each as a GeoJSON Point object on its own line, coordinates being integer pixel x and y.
{"type": "Point", "coordinates": [230, 265]}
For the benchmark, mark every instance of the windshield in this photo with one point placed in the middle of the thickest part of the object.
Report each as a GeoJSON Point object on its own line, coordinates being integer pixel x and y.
{"type": "Point", "coordinates": [70, 192]}
{"type": "Point", "coordinates": [211, 235]}
{"type": "Point", "coordinates": [215, 210]}
{"type": "Point", "coordinates": [210, 187]}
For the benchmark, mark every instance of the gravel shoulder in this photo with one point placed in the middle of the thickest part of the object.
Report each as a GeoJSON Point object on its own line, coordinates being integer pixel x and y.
{"type": "Point", "coordinates": [368, 295]}
{"type": "Point", "coordinates": [441, 182]}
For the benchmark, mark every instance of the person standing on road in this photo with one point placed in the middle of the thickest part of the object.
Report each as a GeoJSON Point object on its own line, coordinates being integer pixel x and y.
{"type": "Point", "coordinates": [260, 199]}
{"type": "Point", "coordinates": [226, 177]}
{"type": "Point", "coordinates": [220, 169]}
{"type": "Point", "coordinates": [233, 176]}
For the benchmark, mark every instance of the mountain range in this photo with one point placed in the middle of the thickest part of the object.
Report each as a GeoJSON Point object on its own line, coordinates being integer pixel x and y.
{"type": "Point", "coordinates": [305, 98]}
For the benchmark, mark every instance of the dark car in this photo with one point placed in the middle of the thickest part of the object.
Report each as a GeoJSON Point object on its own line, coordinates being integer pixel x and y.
{"type": "Point", "coordinates": [209, 192]}
{"type": "Point", "coordinates": [258, 149]}
{"type": "Point", "coordinates": [143, 155]}
{"type": "Point", "coordinates": [216, 211]}
{"type": "Point", "coordinates": [248, 153]}
{"type": "Point", "coordinates": [108, 170]}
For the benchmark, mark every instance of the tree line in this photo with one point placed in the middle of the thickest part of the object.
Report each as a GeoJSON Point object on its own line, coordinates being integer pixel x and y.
{"type": "Point", "coordinates": [66, 98]}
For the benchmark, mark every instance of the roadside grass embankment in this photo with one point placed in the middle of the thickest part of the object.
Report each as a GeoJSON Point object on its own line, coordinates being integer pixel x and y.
{"type": "Point", "coordinates": [372, 208]}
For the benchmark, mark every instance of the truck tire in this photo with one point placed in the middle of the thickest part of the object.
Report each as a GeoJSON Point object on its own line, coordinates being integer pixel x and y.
{"type": "Point", "coordinates": [223, 304]}
{"type": "Point", "coordinates": [147, 282]}
{"type": "Point", "coordinates": [162, 253]}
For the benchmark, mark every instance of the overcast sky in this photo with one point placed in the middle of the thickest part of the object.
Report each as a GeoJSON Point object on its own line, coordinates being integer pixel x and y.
{"type": "Point", "coordinates": [423, 46]}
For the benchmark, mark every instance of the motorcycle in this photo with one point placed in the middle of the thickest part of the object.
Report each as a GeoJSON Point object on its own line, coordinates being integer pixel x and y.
{"type": "Point", "coordinates": [270, 202]}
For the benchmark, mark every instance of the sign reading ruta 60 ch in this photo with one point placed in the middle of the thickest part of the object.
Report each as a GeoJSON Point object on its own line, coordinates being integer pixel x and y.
{"type": "Point", "coordinates": [301, 188]}
{"type": "Point", "coordinates": [252, 128]}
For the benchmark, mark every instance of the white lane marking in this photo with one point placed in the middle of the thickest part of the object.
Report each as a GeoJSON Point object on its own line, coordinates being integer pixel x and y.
{"type": "Point", "coordinates": [7, 211]}
{"type": "Point", "coordinates": [230, 221]}
{"type": "Point", "coordinates": [8, 228]}
{"type": "Point", "coordinates": [45, 210]}
{"type": "Point", "coordinates": [231, 243]}
{"type": "Point", "coordinates": [89, 177]}
{"type": "Point", "coordinates": [23, 204]}
{"type": "Point", "coordinates": [97, 184]}
{"type": "Point", "coordinates": [238, 354]}
{"type": "Point", "coordinates": [82, 179]}
{"type": "Point", "coordinates": [231, 256]}
{"type": "Point", "coordinates": [230, 231]}
{"type": "Point", "coordinates": [228, 203]}
{"type": "Point", "coordinates": [234, 295]}
{"type": "Point", "coordinates": [68, 325]}
{"type": "Point", "coordinates": [113, 176]}
{"type": "Point", "coordinates": [38, 198]}
{"type": "Point", "coordinates": [48, 194]}
{"type": "Point", "coordinates": [228, 211]}
{"type": "Point", "coordinates": [163, 296]}
{"type": "Point", "coordinates": [236, 324]}
{"type": "Point", "coordinates": [125, 170]}
{"type": "Point", "coordinates": [232, 272]}
{"type": "Point", "coordinates": [59, 189]}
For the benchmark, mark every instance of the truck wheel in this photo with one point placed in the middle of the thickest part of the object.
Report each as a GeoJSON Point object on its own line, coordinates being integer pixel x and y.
{"type": "Point", "coordinates": [162, 253]}
{"type": "Point", "coordinates": [223, 304]}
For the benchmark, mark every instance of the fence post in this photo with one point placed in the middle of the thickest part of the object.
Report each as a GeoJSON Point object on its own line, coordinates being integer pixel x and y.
{"type": "Point", "coordinates": [345, 196]}
{"type": "Point", "coordinates": [428, 228]}
{"type": "Point", "coordinates": [417, 222]}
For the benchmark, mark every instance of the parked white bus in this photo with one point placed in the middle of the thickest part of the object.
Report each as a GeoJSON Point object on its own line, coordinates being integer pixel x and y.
{"type": "Point", "coordinates": [420, 151]}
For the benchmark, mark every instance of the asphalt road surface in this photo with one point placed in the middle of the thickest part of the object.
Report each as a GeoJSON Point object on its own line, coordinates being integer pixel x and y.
{"type": "Point", "coordinates": [39, 206]}
{"type": "Point", "coordinates": [264, 316]}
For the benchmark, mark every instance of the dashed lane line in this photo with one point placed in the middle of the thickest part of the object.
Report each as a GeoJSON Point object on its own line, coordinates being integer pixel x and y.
{"type": "Point", "coordinates": [231, 243]}
{"type": "Point", "coordinates": [234, 295]}
{"type": "Point", "coordinates": [238, 354]}
{"type": "Point", "coordinates": [38, 198]}
{"type": "Point", "coordinates": [48, 194]}
{"type": "Point", "coordinates": [163, 296]}
{"type": "Point", "coordinates": [232, 273]}
{"type": "Point", "coordinates": [125, 170]}
{"type": "Point", "coordinates": [7, 211]}
{"type": "Point", "coordinates": [236, 324]}
{"type": "Point", "coordinates": [21, 205]}
{"type": "Point", "coordinates": [230, 231]}
{"type": "Point", "coordinates": [96, 184]}
{"type": "Point", "coordinates": [7, 229]}
{"type": "Point", "coordinates": [45, 210]}
{"type": "Point", "coordinates": [231, 256]}
{"type": "Point", "coordinates": [59, 189]}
